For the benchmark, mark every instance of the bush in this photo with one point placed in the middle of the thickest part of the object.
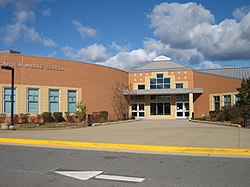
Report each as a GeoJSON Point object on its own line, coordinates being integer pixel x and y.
{"type": "Point", "coordinates": [3, 118]}
{"type": "Point", "coordinates": [58, 116]}
{"type": "Point", "coordinates": [24, 118]}
{"type": "Point", "coordinates": [47, 117]}
{"type": "Point", "coordinates": [104, 114]}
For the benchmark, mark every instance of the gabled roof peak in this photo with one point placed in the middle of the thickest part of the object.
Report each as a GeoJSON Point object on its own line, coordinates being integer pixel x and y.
{"type": "Point", "coordinates": [161, 58]}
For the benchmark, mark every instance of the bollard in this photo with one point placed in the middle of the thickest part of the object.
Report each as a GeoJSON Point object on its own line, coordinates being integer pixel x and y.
{"type": "Point", "coordinates": [89, 120]}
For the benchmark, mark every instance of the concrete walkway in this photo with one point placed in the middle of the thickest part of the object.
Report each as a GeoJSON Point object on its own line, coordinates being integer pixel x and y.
{"type": "Point", "coordinates": [147, 132]}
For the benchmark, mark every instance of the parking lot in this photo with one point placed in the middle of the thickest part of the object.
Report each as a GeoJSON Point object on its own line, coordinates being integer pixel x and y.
{"type": "Point", "coordinates": [148, 132]}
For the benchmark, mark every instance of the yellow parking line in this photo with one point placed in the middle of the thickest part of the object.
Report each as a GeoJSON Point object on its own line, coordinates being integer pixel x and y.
{"type": "Point", "coordinates": [136, 147]}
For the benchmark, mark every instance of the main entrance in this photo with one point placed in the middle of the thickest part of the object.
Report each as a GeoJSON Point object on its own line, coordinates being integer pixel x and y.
{"type": "Point", "coordinates": [182, 110]}
{"type": "Point", "coordinates": [138, 110]}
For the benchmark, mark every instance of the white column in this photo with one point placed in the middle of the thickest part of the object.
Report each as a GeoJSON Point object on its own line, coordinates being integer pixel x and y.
{"type": "Point", "coordinates": [191, 105]}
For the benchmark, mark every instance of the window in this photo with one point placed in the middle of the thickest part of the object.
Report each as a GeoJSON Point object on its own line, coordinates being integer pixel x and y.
{"type": "Point", "coordinates": [71, 101]}
{"type": "Point", "coordinates": [7, 100]}
{"type": "Point", "coordinates": [141, 87]}
{"type": "Point", "coordinates": [216, 103]}
{"type": "Point", "coordinates": [160, 82]}
{"type": "Point", "coordinates": [160, 97]}
{"type": "Point", "coordinates": [33, 101]}
{"type": "Point", "coordinates": [160, 108]}
{"type": "Point", "coordinates": [237, 101]}
{"type": "Point", "coordinates": [54, 100]}
{"type": "Point", "coordinates": [182, 97]}
{"type": "Point", "coordinates": [227, 100]}
{"type": "Point", "coordinates": [179, 85]}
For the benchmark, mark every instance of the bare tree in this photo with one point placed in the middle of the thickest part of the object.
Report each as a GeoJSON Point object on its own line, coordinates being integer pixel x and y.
{"type": "Point", "coordinates": [123, 97]}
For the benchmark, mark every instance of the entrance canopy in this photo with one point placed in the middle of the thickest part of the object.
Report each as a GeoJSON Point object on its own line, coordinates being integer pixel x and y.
{"type": "Point", "coordinates": [164, 91]}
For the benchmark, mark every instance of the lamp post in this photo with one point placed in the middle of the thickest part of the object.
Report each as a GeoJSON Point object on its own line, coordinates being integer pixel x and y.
{"type": "Point", "coordinates": [12, 94]}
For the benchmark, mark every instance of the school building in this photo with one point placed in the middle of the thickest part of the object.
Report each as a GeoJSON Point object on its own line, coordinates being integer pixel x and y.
{"type": "Point", "coordinates": [163, 89]}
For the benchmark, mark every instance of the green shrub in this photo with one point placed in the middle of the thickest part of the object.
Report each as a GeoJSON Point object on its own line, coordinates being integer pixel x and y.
{"type": "Point", "coordinates": [47, 117]}
{"type": "Point", "coordinates": [58, 116]}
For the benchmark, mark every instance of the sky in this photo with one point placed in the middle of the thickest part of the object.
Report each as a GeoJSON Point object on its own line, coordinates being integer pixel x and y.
{"type": "Point", "coordinates": [127, 34]}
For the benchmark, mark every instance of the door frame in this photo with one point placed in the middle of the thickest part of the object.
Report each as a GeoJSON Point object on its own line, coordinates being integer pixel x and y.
{"type": "Point", "coordinates": [184, 110]}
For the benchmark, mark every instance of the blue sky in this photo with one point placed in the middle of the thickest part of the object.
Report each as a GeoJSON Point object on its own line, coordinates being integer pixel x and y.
{"type": "Point", "coordinates": [129, 33]}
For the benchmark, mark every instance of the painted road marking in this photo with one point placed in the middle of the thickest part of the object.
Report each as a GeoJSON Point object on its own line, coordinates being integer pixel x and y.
{"type": "Point", "coordinates": [131, 147]}
{"type": "Point", "coordinates": [86, 175]}
{"type": "Point", "coordinates": [82, 175]}
{"type": "Point", "coordinates": [120, 178]}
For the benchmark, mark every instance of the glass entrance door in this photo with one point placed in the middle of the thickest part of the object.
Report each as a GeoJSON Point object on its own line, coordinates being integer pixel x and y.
{"type": "Point", "coordinates": [138, 110]}
{"type": "Point", "coordinates": [182, 110]}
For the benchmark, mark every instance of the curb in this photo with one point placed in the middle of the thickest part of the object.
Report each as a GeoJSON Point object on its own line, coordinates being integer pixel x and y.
{"type": "Point", "coordinates": [216, 123]}
{"type": "Point", "coordinates": [131, 147]}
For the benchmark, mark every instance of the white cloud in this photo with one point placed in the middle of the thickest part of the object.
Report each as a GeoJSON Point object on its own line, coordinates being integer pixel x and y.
{"type": "Point", "coordinates": [49, 42]}
{"type": "Point", "coordinates": [83, 30]}
{"type": "Point", "coordinates": [241, 12]}
{"type": "Point", "coordinates": [130, 60]}
{"type": "Point", "coordinates": [46, 12]}
{"type": "Point", "coordinates": [92, 53]}
{"type": "Point", "coordinates": [190, 28]}
{"type": "Point", "coordinates": [209, 65]}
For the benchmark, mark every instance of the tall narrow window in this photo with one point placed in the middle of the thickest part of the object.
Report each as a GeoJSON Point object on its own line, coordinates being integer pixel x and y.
{"type": "Point", "coordinates": [54, 100]}
{"type": "Point", "coordinates": [237, 101]}
{"type": "Point", "coordinates": [71, 101]}
{"type": "Point", "coordinates": [33, 95]}
{"type": "Point", "coordinates": [227, 100]}
{"type": "Point", "coordinates": [7, 100]}
{"type": "Point", "coordinates": [216, 103]}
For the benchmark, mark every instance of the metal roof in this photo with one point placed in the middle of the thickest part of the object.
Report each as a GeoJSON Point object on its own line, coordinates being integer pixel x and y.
{"type": "Point", "coordinates": [161, 63]}
{"type": "Point", "coordinates": [239, 73]}
{"type": "Point", "coordinates": [165, 91]}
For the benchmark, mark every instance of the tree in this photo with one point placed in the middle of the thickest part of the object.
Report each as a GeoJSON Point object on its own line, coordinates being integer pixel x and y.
{"type": "Point", "coordinates": [123, 97]}
{"type": "Point", "coordinates": [81, 110]}
{"type": "Point", "coordinates": [244, 94]}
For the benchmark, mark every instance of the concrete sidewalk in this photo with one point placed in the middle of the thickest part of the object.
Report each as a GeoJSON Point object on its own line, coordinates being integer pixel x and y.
{"type": "Point", "coordinates": [181, 133]}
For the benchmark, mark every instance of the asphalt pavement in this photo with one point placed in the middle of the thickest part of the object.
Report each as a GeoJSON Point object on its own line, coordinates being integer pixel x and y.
{"type": "Point", "coordinates": [32, 166]}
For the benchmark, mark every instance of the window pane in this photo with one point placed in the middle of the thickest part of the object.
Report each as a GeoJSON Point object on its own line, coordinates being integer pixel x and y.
{"type": "Point", "coordinates": [141, 114]}
{"type": "Point", "coordinates": [152, 81]}
{"type": "Point", "coordinates": [160, 86]}
{"type": "Point", "coordinates": [134, 106]}
{"type": "Point", "coordinates": [166, 86]}
{"type": "Point", "coordinates": [7, 100]}
{"type": "Point", "coordinates": [141, 87]}
{"type": "Point", "coordinates": [152, 86]}
{"type": "Point", "coordinates": [167, 109]}
{"type": "Point", "coordinates": [159, 81]}
{"type": "Point", "coordinates": [179, 85]}
{"type": "Point", "coordinates": [54, 107]}
{"type": "Point", "coordinates": [134, 114]}
{"type": "Point", "coordinates": [141, 106]}
{"type": "Point", "coordinates": [159, 76]}
{"type": "Point", "coordinates": [72, 107]}
{"type": "Point", "coordinates": [160, 108]}
{"type": "Point", "coordinates": [152, 108]}
{"type": "Point", "coordinates": [167, 80]}
{"type": "Point", "coordinates": [32, 107]}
